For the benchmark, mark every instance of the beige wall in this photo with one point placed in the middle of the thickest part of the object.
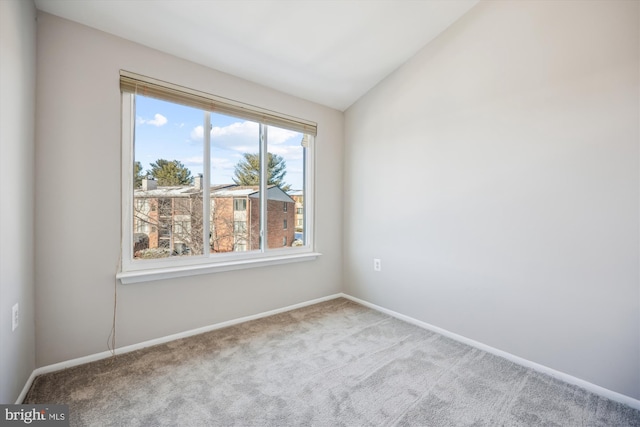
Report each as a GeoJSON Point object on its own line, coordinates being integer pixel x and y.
{"type": "Point", "coordinates": [17, 107]}
{"type": "Point", "coordinates": [511, 145]}
{"type": "Point", "coordinates": [78, 169]}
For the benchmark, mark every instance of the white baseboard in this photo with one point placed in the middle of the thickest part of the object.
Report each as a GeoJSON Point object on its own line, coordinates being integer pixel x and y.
{"type": "Point", "coordinates": [26, 387]}
{"type": "Point", "coordinates": [129, 348]}
{"type": "Point", "coordinates": [596, 389]}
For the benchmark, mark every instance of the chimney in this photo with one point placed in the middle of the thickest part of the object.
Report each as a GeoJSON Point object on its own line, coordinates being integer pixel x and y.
{"type": "Point", "coordinates": [149, 183]}
{"type": "Point", "coordinates": [197, 181]}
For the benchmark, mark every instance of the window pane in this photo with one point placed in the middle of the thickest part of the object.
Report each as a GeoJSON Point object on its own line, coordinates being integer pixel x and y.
{"type": "Point", "coordinates": [285, 204]}
{"type": "Point", "coordinates": [167, 208]}
{"type": "Point", "coordinates": [168, 205]}
{"type": "Point", "coordinates": [235, 180]}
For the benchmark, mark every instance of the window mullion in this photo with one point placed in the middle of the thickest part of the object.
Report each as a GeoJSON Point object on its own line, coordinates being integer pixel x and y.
{"type": "Point", "coordinates": [128, 134]}
{"type": "Point", "coordinates": [263, 188]}
{"type": "Point", "coordinates": [206, 186]}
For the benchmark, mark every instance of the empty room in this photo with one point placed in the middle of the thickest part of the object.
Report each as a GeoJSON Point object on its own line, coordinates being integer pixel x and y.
{"type": "Point", "coordinates": [283, 213]}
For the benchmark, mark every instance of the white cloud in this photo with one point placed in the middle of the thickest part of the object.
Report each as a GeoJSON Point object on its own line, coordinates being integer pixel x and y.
{"type": "Point", "coordinates": [197, 133]}
{"type": "Point", "coordinates": [158, 120]}
{"type": "Point", "coordinates": [278, 135]}
{"type": "Point", "coordinates": [242, 129]}
{"type": "Point", "coordinates": [246, 133]}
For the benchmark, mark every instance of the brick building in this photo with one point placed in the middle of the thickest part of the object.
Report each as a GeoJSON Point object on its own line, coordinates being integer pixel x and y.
{"type": "Point", "coordinates": [298, 197]}
{"type": "Point", "coordinates": [168, 220]}
{"type": "Point", "coordinates": [235, 224]}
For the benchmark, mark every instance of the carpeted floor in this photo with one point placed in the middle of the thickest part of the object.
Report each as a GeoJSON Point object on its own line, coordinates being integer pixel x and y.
{"type": "Point", "coordinates": [331, 364]}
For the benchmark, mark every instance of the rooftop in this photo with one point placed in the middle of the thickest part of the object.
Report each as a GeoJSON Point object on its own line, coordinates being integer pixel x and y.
{"type": "Point", "coordinates": [220, 190]}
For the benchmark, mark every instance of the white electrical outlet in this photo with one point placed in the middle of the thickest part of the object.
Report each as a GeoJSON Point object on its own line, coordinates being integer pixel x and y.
{"type": "Point", "coordinates": [377, 264]}
{"type": "Point", "coordinates": [14, 317]}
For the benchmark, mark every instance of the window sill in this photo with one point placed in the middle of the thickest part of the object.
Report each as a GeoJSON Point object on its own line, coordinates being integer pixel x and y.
{"type": "Point", "coordinates": [137, 276]}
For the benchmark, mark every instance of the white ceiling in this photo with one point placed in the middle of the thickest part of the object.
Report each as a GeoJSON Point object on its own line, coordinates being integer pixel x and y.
{"type": "Point", "coordinates": [327, 51]}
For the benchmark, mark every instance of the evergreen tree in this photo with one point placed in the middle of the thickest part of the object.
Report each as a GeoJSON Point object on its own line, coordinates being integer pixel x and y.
{"type": "Point", "coordinates": [137, 175]}
{"type": "Point", "coordinates": [169, 173]}
{"type": "Point", "coordinates": [247, 171]}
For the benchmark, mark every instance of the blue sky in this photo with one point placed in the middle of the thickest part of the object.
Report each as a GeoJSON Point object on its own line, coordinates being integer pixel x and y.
{"type": "Point", "coordinates": [175, 132]}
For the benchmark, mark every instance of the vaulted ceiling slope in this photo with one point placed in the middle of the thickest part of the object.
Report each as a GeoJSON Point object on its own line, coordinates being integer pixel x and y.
{"type": "Point", "coordinates": [327, 51]}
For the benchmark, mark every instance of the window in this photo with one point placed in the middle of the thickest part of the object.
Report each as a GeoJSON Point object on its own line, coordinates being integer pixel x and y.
{"type": "Point", "coordinates": [211, 199]}
{"type": "Point", "coordinates": [182, 206]}
{"type": "Point", "coordinates": [181, 227]}
{"type": "Point", "coordinates": [239, 204]}
{"type": "Point", "coordinates": [140, 227]}
{"type": "Point", "coordinates": [240, 227]}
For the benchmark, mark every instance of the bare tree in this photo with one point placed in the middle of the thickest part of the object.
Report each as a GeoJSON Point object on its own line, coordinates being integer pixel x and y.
{"type": "Point", "coordinates": [172, 226]}
{"type": "Point", "coordinates": [227, 234]}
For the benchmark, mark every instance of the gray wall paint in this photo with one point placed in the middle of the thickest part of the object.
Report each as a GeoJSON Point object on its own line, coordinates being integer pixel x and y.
{"type": "Point", "coordinates": [78, 202]}
{"type": "Point", "coordinates": [17, 109]}
{"type": "Point", "coordinates": [496, 176]}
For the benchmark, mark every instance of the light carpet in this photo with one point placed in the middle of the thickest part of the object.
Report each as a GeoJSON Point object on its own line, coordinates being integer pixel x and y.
{"type": "Point", "coordinates": [336, 363]}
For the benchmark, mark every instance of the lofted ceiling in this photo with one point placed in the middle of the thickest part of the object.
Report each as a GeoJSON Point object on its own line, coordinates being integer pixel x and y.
{"type": "Point", "coordinates": [327, 51]}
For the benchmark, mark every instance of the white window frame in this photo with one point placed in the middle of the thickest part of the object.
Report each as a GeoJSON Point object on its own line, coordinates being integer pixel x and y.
{"type": "Point", "coordinates": [134, 271]}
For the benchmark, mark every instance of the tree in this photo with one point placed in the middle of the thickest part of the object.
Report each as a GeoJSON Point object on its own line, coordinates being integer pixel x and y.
{"type": "Point", "coordinates": [137, 175]}
{"type": "Point", "coordinates": [247, 171]}
{"type": "Point", "coordinates": [170, 173]}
